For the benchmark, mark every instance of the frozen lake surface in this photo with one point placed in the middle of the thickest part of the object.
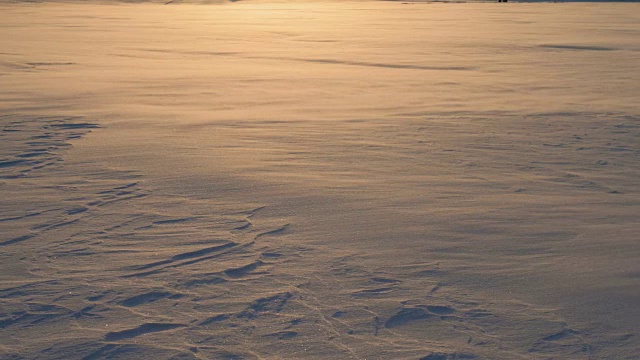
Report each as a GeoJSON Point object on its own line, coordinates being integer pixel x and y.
{"type": "Point", "coordinates": [320, 180]}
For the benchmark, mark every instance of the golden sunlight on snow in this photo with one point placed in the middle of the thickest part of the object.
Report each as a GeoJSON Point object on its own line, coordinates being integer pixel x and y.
{"type": "Point", "coordinates": [319, 180]}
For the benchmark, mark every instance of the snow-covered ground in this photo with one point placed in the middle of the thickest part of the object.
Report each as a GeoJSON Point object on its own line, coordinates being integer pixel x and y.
{"type": "Point", "coordinates": [320, 180]}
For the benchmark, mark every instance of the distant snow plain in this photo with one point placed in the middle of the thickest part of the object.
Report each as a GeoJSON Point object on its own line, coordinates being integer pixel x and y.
{"type": "Point", "coordinates": [319, 180]}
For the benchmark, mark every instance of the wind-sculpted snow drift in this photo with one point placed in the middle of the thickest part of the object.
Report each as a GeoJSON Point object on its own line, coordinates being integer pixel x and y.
{"type": "Point", "coordinates": [113, 269]}
{"type": "Point", "coordinates": [364, 180]}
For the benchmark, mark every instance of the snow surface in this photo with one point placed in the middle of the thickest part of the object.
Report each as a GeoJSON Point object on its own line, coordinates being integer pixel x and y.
{"type": "Point", "coordinates": [348, 180]}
